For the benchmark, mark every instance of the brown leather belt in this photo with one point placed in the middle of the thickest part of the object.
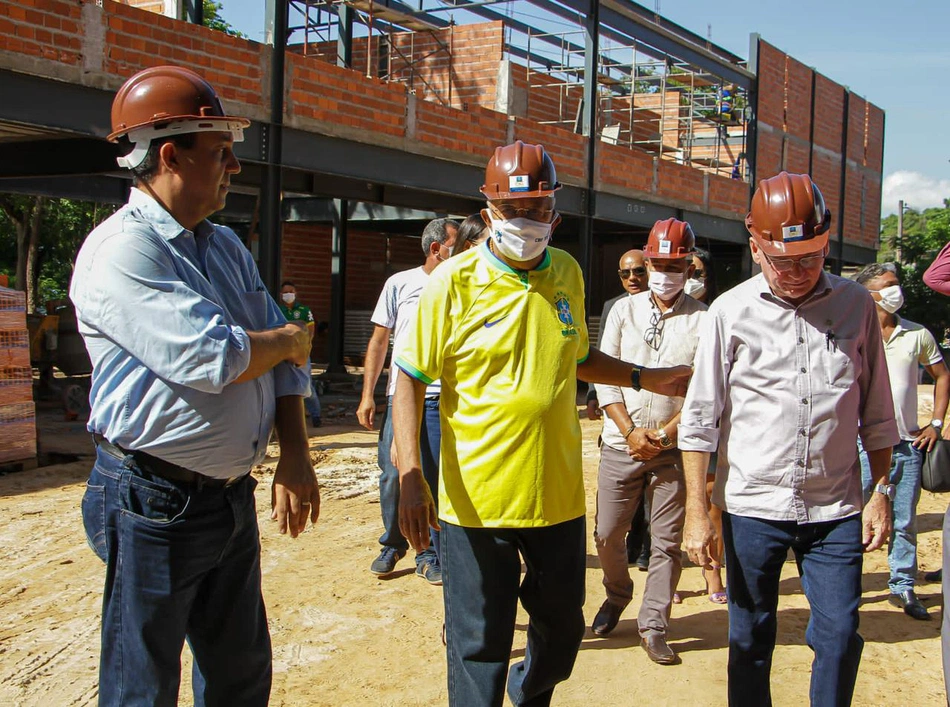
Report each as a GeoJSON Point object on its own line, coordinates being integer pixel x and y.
{"type": "Point", "coordinates": [163, 469]}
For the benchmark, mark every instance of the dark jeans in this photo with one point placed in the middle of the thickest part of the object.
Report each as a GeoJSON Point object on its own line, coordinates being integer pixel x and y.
{"type": "Point", "coordinates": [482, 569]}
{"type": "Point", "coordinates": [830, 557]}
{"type": "Point", "coordinates": [430, 438]}
{"type": "Point", "coordinates": [181, 563]}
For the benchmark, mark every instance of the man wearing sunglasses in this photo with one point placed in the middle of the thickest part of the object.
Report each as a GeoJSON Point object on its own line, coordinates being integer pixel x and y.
{"type": "Point", "coordinates": [639, 462]}
{"type": "Point", "coordinates": [503, 327]}
{"type": "Point", "coordinates": [633, 279]}
{"type": "Point", "coordinates": [790, 369]}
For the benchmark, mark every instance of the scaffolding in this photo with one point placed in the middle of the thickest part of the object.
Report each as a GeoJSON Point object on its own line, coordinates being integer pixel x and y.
{"type": "Point", "coordinates": [388, 49]}
{"type": "Point", "coordinates": [647, 100]}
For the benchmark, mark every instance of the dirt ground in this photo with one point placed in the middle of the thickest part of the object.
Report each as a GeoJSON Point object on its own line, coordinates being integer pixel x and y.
{"type": "Point", "coordinates": [343, 637]}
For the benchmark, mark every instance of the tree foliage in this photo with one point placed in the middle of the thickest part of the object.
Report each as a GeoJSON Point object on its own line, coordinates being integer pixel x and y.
{"type": "Point", "coordinates": [211, 16]}
{"type": "Point", "coordinates": [58, 229]}
{"type": "Point", "coordinates": [925, 233]}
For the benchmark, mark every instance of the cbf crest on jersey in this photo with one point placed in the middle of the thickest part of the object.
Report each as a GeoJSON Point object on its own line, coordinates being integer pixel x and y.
{"type": "Point", "coordinates": [562, 304]}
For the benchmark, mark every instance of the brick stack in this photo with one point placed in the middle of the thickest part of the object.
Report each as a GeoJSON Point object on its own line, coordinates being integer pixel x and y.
{"type": "Point", "coordinates": [17, 413]}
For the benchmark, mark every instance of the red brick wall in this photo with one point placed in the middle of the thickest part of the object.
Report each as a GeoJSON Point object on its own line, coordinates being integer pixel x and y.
{"type": "Point", "coordinates": [785, 127]}
{"type": "Point", "coordinates": [50, 30]}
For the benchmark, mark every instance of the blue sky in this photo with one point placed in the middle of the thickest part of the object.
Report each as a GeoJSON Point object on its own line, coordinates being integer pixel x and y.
{"type": "Point", "coordinates": [895, 54]}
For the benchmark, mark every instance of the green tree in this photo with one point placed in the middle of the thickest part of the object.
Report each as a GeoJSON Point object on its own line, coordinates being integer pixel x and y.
{"type": "Point", "coordinates": [925, 233]}
{"type": "Point", "coordinates": [211, 16]}
{"type": "Point", "coordinates": [39, 239]}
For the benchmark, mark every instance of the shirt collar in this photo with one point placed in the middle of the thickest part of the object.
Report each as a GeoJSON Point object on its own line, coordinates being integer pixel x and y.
{"type": "Point", "coordinates": [159, 219]}
{"type": "Point", "coordinates": [497, 263]}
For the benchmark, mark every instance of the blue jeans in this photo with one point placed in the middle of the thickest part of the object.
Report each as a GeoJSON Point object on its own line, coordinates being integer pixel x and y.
{"type": "Point", "coordinates": [181, 564]}
{"type": "Point", "coordinates": [482, 568]}
{"type": "Point", "coordinates": [830, 557]}
{"type": "Point", "coordinates": [312, 404]}
{"type": "Point", "coordinates": [430, 439]}
{"type": "Point", "coordinates": [902, 548]}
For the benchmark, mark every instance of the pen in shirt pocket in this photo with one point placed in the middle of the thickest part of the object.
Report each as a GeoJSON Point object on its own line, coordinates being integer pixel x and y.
{"type": "Point", "coordinates": [830, 343]}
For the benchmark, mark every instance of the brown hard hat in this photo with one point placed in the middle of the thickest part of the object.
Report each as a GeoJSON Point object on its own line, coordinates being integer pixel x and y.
{"type": "Point", "coordinates": [670, 239]}
{"type": "Point", "coordinates": [165, 94]}
{"type": "Point", "coordinates": [520, 171]}
{"type": "Point", "coordinates": [789, 216]}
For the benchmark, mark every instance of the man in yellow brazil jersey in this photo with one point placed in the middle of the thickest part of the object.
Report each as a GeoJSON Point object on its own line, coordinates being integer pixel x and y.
{"type": "Point", "coordinates": [503, 327]}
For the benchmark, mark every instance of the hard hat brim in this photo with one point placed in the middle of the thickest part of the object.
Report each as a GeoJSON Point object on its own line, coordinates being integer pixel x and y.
{"type": "Point", "coordinates": [786, 249]}
{"type": "Point", "coordinates": [244, 123]}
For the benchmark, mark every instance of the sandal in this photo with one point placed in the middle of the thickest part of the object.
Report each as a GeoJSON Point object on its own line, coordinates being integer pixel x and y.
{"type": "Point", "coordinates": [719, 598]}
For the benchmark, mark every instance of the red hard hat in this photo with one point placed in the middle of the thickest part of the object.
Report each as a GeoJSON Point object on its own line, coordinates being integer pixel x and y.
{"type": "Point", "coordinates": [670, 239]}
{"type": "Point", "coordinates": [789, 216]}
{"type": "Point", "coordinates": [520, 171]}
{"type": "Point", "coordinates": [164, 94]}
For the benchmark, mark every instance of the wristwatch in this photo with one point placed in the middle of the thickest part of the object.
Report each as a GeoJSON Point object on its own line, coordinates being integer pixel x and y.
{"type": "Point", "coordinates": [888, 490]}
{"type": "Point", "coordinates": [635, 378]}
{"type": "Point", "coordinates": [665, 440]}
{"type": "Point", "coordinates": [936, 424]}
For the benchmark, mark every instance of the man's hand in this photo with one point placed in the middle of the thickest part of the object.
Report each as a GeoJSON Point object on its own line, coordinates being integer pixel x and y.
{"type": "Point", "coordinates": [299, 338]}
{"type": "Point", "coordinates": [699, 538]}
{"type": "Point", "coordinates": [593, 410]}
{"type": "Point", "coordinates": [416, 510]}
{"type": "Point", "coordinates": [366, 412]}
{"type": "Point", "coordinates": [876, 522]}
{"type": "Point", "coordinates": [926, 439]}
{"type": "Point", "coordinates": [666, 381]}
{"type": "Point", "coordinates": [295, 494]}
{"type": "Point", "coordinates": [640, 447]}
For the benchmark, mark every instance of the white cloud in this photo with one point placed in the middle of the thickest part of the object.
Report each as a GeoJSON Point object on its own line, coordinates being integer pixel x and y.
{"type": "Point", "coordinates": [918, 191]}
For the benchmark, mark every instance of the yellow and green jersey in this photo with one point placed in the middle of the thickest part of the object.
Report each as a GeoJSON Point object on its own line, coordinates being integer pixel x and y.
{"type": "Point", "coordinates": [505, 344]}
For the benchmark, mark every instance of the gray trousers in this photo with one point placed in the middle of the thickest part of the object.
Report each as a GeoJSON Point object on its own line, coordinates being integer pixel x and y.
{"type": "Point", "coordinates": [945, 627]}
{"type": "Point", "coordinates": [620, 488]}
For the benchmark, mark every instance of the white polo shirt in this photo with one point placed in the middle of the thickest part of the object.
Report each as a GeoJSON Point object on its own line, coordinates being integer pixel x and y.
{"type": "Point", "coordinates": [910, 344]}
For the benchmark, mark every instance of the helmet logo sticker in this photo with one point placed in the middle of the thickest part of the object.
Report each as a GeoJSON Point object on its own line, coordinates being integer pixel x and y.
{"type": "Point", "coordinates": [664, 247]}
{"type": "Point", "coordinates": [518, 182]}
{"type": "Point", "coordinates": [793, 233]}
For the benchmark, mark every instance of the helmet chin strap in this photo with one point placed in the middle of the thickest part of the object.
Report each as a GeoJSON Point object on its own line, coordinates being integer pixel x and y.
{"type": "Point", "coordinates": [141, 138]}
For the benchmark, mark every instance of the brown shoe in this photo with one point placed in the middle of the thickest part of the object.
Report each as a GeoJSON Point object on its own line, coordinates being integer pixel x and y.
{"type": "Point", "coordinates": [658, 649]}
{"type": "Point", "coordinates": [606, 619]}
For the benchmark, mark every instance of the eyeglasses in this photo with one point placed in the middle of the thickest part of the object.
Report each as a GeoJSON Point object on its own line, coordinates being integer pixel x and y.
{"type": "Point", "coordinates": [654, 335]}
{"type": "Point", "coordinates": [627, 273]}
{"type": "Point", "coordinates": [508, 212]}
{"type": "Point", "coordinates": [809, 262]}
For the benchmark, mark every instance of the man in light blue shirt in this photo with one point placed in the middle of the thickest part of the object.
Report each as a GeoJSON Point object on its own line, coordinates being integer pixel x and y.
{"type": "Point", "coordinates": [193, 366]}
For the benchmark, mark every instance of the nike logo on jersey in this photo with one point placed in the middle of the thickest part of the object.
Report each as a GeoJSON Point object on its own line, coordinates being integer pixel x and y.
{"type": "Point", "coordinates": [489, 324]}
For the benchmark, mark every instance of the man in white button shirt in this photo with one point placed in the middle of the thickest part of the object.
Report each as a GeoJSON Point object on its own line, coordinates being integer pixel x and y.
{"type": "Point", "coordinates": [789, 364]}
{"type": "Point", "coordinates": [660, 326]}
{"type": "Point", "coordinates": [907, 345]}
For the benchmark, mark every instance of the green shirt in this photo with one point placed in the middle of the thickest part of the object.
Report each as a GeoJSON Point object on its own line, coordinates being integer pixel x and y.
{"type": "Point", "coordinates": [297, 313]}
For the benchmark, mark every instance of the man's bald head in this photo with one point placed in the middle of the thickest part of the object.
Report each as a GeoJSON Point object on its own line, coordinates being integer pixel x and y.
{"type": "Point", "coordinates": [633, 272]}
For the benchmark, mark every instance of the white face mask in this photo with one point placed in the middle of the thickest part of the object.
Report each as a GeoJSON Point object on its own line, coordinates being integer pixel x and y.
{"type": "Point", "coordinates": [666, 285]}
{"type": "Point", "coordinates": [695, 287]}
{"type": "Point", "coordinates": [520, 239]}
{"type": "Point", "coordinates": [288, 297]}
{"type": "Point", "coordinates": [892, 299]}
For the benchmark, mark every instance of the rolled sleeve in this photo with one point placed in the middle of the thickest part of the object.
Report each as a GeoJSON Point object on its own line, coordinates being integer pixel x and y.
{"type": "Point", "coordinates": [133, 296]}
{"type": "Point", "coordinates": [698, 430]}
{"type": "Point", "coordinates": [609, 339]}
{"type": "Point", "coordinates": [291, 380]}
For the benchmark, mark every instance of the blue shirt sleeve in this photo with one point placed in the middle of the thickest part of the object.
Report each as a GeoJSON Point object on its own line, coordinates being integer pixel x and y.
{"type": "Point", "coordinates": [134, 297]}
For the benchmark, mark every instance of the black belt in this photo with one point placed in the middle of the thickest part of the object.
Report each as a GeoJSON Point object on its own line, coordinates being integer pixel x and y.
{"type": "Point", "coordinates": [161, 468]}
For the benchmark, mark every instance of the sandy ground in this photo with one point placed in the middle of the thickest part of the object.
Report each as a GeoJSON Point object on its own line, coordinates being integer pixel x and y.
{"type": "Point", "coordinates": [343, 637]}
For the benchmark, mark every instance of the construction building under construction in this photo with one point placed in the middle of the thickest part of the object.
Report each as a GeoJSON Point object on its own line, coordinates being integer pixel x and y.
{"type": "Point", "coordinates": [371, 117]}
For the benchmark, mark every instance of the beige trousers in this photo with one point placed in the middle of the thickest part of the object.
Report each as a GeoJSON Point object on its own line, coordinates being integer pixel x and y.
{"type": "Point", "coordinates": [620, 486]}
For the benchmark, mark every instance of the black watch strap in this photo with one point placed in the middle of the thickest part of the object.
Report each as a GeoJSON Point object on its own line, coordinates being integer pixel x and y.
{"type": "Point", "coordinates": [635, 378]}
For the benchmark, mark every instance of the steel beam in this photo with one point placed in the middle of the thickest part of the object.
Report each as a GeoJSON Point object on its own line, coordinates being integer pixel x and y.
{"type": "Point", "coordinates": [48, 158]}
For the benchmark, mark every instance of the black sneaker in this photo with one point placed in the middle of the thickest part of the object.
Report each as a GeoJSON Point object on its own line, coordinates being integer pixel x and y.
{"type": "Point", "coordinates": [430, 572]}
{"type": "Point", "coordinates": [386, 562]}
{"type": "Point", "coordinates": [936, 576]}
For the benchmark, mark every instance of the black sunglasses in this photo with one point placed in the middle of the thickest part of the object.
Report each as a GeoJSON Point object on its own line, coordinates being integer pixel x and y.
{"type": "Point", "coordinates": [627, 273]}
